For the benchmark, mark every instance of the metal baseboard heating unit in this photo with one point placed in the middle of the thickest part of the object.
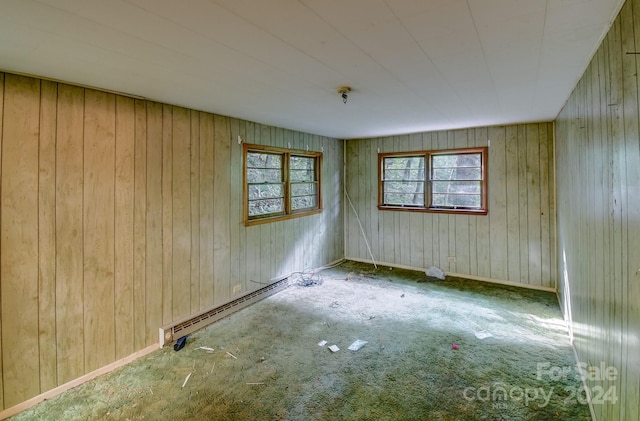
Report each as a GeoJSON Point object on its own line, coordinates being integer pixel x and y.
{"type": "Point", "coordinates": [176, 330]}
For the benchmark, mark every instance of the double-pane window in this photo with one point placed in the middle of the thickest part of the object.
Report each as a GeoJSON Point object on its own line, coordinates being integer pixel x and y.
{"type": "Point", "coordinates": [280, 183]}
{"type": "Point", "coordinates": [444, 181]}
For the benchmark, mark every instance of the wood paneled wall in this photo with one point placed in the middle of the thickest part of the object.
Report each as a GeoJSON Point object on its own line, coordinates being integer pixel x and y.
{"type": "Point", "coordinates": [515, 242]}
{"type": "Point", "coordinates": [598, 156]}
{"type": "Point", "coordinates": [118, 216]}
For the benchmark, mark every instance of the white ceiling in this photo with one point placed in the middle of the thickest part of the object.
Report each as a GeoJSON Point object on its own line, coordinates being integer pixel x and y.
{"type": "Point", "coordinates": [414, 65]}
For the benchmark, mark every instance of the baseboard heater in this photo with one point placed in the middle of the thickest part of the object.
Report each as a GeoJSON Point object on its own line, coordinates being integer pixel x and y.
{"type": "Point", "coordinates": [176, 330]}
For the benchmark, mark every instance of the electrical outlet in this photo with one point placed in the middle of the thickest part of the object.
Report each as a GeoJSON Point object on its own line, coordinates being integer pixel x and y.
{"type": "Point", "coordinates": [452, 259]}
{"type": "Point", "coordinates": [237, 289]}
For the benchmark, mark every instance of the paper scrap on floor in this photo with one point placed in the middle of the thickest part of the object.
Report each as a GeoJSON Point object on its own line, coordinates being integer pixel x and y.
{"type": "Point", "coordinates": [483, 334]}
{"type": "Point", "coordinates": [357, 344]}
{"type": "Point", "coordinates": [334, 348]}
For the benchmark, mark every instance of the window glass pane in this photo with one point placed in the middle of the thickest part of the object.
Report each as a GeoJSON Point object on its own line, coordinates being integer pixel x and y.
{"type": "Point", "coordinates": [452, 179]}
{"type": "Point", "coordinates": [265, 191]}
{"type": "Point", "coordinates": [404, 174]}
{"type": "Point", "coordinates": [303, 202]}
{"type": "Point", "coordinates": [302, 175]}
{"type": "Point", "coordinates": [255, 175]}
{"type": "Point", "coordinates": [301, 168]}
{"type": "Point", "coordinates": [456, 200]}
{"type": "Point", "coordinates": [404, 168]}
{"type": "Point", "coordinates": [403, 162]}
{"type": "Point", "coordinates": [301, 163]}
{"type": "Point", "coordinates": [264, 167]}
{"type": "Point", "coordinates": [456, 160]}
{"type": "Point", "coordinates": [263, 160]}
{"type": "Point", "coordinates": [457, 180]}
{"type": "Point", "coordinates": [303, 189]}
{"type": "Point", "coordinates": [457, 174]}
{"type": "Point", "coordinates": [272, 192]}
{"type": "Point", "coordinates": [457, 187]}
{"type": "Point", "coordinates": [404, 180]}
{"type": "Point", "coordinates": [404, 199]}
{"type": "Point", "coordinates": [266, 206]}
{"type": "Point", "coordinates": [404, 187]}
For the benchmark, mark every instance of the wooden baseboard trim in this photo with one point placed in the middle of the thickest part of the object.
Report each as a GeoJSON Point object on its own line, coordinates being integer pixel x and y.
{"type": "Point", "coordinates": [460, 275]}
{"type": "Point", "coordinates": [9, 412]}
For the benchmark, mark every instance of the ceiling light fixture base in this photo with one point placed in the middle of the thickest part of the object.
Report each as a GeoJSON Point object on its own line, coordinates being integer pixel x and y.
{"type": "Point", "coordinates": [344, 93]}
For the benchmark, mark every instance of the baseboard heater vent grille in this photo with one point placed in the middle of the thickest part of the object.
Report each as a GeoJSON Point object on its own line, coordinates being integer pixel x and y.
{"type": "Point", "coordinates": [190, 324]}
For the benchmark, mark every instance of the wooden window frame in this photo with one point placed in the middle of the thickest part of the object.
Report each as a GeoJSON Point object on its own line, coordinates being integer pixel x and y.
{"type": "Point", "coordinates": [288, 212]}
{"type": "Point", "coordinates": [428, 192]}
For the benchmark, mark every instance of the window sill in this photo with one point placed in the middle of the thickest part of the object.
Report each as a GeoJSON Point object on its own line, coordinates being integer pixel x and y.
{"type": "Point", "coordinates": [259, 221]}
{"type": "Point", "coordinates": [433, 210]}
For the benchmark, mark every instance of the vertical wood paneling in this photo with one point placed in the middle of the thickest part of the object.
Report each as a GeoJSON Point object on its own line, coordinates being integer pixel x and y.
{"type": "Point", "coordinates": [2, 77]}
{"type": "Point", "coordinates": [546, 192]}
{"type": "Point", "coordinates": [630, 107]}
{"type": "Point", "coordinates": [69, 250]}
{"type": "Point", "coordinates": [506, 245]}
{"type": "Point", "coordinates": [241, 253]}
{"type": "Point", "coordinates": [221, 228]}
{"type": "Point", "coordinates": [181, 193]}
{"type": "Point", "coordinates": [513, 211]}
{"type": "Point", "coordinates": [47, 234]}
{"type": "Point", "coordinates": [630, 381]}
{"type": "Point", "coordinates": [235, 207]}
{"type": "Point", "coordinates": [19, 247]}
{"type": "Point", "coordinates": [364, 182]}
{"type": "Point", "coordinates": [493, 245]}
{"type": "Point", "coordinates": [618, 250]}
{"type": "Point", "coordinates": [195, 211]}
{"type": "Point", "coordinates": [533, 139]}
{"type": "Point", "coordinates": [352, 235]}
{"type": "Point", "coordinates": [119, 216]}
{"type": "Point", "coordinates": [98, 229]}
{"type": "Point", "coordinates": [124, 200]}
{"type": "Point", "coordinates": [140, 225]}
{"type": "Point", "coordinates": [153, 261]}
{"type": "Point", "coordinates": [167, 214]}
{"type": "Point", "coordinates": [598, 217]}
{"type": "Point", "coordinates": [523, 209]}
{"type": "Point", "coordinates": [207, 175]}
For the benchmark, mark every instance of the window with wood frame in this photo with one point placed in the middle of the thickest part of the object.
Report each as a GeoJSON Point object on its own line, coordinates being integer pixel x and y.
{"type": "Point", "coordinates": [280, 183]}
{"type": "Point", "coordinates": [449, 181]}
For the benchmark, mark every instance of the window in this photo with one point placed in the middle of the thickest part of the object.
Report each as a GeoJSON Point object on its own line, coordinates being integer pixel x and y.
{"type": "Point", "coordinates": [439, 181]}
{"type": "Point", "coordinates": [280, 183]}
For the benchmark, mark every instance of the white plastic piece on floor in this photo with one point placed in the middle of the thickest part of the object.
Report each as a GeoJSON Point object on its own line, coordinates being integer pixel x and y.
{"type": "Point", "coordinates": [206, 348]}
{"type": "Point", "coordinates": [334, 348]}
{"type": "Point", "coordinates": [187, 379]}
{"type": "Point", "coordinates": [483, 334]}
{"type": "Point", "coordinates": [322, 343]}
{"type": "Point", "coordinates": [435, 272]}
{"type": "Point", "coordinates": [357, 345]}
